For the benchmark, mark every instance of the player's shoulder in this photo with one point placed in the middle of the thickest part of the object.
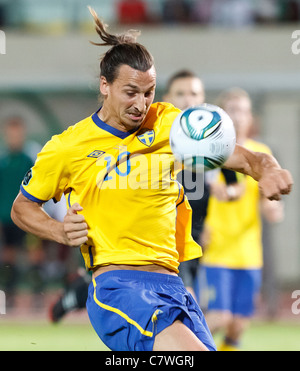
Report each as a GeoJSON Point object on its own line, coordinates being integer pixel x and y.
{"type": "Point", "coordinates": [160, 117]}
{"type": "Point", "coordinates": [257, 146]}
{"type": "Point", "coordinates": [162, 113]}
{"type": "Point", "coordinates": [163, 108]}
{"type": "Point", "coordinates": [61, 145]}
{"type": "Point", "coordinates": [73, 134]}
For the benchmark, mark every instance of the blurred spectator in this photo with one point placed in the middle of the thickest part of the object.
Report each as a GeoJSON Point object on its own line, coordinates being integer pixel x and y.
{"type": "Point", "coordinates": [267, 11]}
{"type": "Point", "coordinates": [13, 166]}
{"type": "Point", "coordinates": [289, 10]}
{"type": "Point", "coordinates": [175, 11]}
{"type": "Point", "coordinates": [229, 13]}
{"type": "Point", "coordinates": [3, 12]}
{"type": "Point", "coordinates": [201, 11]}
{"type": "Point", "coordinates": [132, 11]}
{"type": "Point", "coordinates": [233, 13]}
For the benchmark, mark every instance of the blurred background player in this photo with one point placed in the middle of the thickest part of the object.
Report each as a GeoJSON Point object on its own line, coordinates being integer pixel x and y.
{"type": "Point", "coordinates": [185, 89]}
{"type": "Point", "coordinates": [233, 257]}
{"type": "Point", "coordinates": [14, 164]}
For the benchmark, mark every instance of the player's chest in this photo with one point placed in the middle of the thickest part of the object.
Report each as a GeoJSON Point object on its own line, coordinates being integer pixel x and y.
{"type": "Point", "coordinates": [139, 158]}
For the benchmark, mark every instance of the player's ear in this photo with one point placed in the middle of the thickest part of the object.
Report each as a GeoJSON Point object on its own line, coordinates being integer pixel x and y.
{"type": "Point", "coordinates": [103, 86]}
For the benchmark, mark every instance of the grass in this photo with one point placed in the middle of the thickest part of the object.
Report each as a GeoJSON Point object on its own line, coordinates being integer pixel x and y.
{"type": "Point", "coordinates": [47, 337]}
{"type": "Point", "coordinates": [273, 337]}
{"type": "Point", "coordinates": [42, 336]}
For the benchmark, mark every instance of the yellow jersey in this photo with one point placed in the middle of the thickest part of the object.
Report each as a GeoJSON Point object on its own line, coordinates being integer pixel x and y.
{"type": "Point", "coordinates": [126, 183]}
{"type": "Point", "coordinates": [235, 240]}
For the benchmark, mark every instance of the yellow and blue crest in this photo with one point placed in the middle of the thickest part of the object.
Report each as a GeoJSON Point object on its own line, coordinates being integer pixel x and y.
{"type": "Point", "coordinates": [147, 138]}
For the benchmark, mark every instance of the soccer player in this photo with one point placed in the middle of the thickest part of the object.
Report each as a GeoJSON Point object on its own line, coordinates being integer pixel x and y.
{"type": "Point", "coordinates": [185, 89]}
{"type": "Point", "coordinates": [117, 170]}
{"type": "Point", "coordinates": [233, 251]}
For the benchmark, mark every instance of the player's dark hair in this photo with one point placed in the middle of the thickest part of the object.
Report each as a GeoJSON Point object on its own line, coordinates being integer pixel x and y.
{"type": "Point", "coordinates": [183, 74]}
{"type": "Point", "coordinates": [125, 50]}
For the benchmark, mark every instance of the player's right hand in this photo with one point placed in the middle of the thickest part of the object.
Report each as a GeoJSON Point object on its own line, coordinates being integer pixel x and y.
{"type": "Point", "coordinates": [75, 227]}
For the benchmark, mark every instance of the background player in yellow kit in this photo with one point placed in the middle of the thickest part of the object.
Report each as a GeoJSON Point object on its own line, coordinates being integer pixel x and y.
{"type": "Point", "coordinates": [117, 170]}
{"type": "Point", "coordinates": [233, 257]}
{"type": "Point", "coordinates": [185, 89]}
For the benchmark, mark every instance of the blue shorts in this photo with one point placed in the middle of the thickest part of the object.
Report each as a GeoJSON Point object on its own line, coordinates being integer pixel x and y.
{"type": "Point", "coordinates": [233, 290]}
{"type": "Point", "coordinates": [129, 308]}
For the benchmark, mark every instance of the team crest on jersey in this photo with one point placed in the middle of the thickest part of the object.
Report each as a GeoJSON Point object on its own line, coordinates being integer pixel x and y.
{"type": "Point", "coordinates": [147, 138]}
{"type": "Point", "coordinates": [96, 154]}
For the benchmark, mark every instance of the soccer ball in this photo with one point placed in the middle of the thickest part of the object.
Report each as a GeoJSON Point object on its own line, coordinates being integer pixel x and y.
{"type": "Point", "coordinates": [202, 137]}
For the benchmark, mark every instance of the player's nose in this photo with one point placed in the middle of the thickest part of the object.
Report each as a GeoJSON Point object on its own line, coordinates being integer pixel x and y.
{"type": "Point", "coordinates": [140, 103]}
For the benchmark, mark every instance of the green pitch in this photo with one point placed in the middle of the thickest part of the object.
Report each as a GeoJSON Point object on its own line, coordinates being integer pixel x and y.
{"type": "Point", "coordinates": [74, 337]}
{"type": "Point", "coordinates": [49, 337]}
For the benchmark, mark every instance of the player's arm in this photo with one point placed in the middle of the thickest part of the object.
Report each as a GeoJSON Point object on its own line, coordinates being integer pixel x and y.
{"type": "Point", "coordinates": [273, 180]}
{"type": "Point", "coordinates": [31, 217]}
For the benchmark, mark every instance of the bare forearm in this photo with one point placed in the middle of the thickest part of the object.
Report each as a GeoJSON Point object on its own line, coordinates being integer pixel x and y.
{"type": "Point", "coordinates": [273, 180]}
{"type": "Point", "coordinates": [31, 217]}
{"type": "Point", "coordinates": [251, 163]}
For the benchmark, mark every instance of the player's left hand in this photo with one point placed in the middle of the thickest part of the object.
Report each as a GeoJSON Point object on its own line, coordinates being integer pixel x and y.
{"type": "Point", "coordinates": [275, 182]}
{"type": "Point", "coordinates": [74, 227]}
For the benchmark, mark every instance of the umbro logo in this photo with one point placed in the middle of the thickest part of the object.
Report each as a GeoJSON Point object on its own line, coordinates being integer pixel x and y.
{"type": "Point", "coordinates": [96, 154]}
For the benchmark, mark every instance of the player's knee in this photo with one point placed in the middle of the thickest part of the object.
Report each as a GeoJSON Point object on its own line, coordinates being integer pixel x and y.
{"type": "Point", "coordinates": [225, 319]}
{"type": "Point", "coordinates": [218, 320]}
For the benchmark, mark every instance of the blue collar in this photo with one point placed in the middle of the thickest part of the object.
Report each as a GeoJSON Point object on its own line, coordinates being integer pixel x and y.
{"type": "Point", "coordinates": [116, 132]}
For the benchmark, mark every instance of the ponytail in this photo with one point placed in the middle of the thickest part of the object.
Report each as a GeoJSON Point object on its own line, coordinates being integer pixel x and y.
{"type": "Point", "coordinates": [109, 39]}
{"type": "Point", "coordinates": [124, 50]}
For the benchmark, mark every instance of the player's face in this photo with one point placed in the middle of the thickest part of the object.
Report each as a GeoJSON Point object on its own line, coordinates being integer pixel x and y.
{"type": "Point", "coordinates": [127, 100]}
{"type": "Point", "coordinates": [240, 111]}
{"type": "Point", "coordinates": [186, 92]}
{"type": "Point", "coordinates": [15, 137]}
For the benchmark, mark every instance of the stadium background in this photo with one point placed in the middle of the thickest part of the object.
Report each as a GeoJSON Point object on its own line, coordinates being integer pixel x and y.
{"type": "Point", "coordinates": [49, 76]}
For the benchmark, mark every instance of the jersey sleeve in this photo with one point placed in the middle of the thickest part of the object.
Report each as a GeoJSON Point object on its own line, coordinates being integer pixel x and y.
{"type": "Point", "coordinates": [48, 178]}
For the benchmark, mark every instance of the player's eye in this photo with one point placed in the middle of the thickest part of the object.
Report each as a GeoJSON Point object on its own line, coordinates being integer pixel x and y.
{"type": "Point", "coordinates": [149, 93]}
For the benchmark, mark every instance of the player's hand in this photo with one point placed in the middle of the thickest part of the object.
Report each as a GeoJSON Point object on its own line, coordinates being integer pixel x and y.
{"type": "Point", "coordinates": [225, 193]}
{"type": "Point", "coordinates": [75, 227]}
{"type": "Point", "coordinates": [275, 182]}
{"type": "Point", "coordinates": [219, 191]}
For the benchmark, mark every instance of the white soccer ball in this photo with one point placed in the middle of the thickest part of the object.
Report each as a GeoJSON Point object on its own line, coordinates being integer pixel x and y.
{"type": "Point", "coordinates": [202, 137]}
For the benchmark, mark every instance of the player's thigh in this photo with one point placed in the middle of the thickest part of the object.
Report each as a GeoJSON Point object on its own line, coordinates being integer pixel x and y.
{"type": "Point", "coordinates": [178, 337]}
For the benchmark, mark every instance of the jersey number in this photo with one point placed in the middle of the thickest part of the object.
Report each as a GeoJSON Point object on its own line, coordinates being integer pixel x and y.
{"type": "Point", "coordinates": [108, 160]}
